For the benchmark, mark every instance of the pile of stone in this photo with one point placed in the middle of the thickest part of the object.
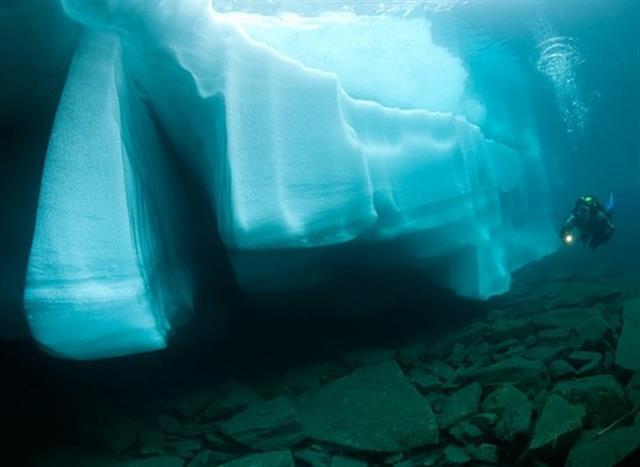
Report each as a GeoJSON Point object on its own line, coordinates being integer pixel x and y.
{"type": "Point", "coordinates": [558, 386]}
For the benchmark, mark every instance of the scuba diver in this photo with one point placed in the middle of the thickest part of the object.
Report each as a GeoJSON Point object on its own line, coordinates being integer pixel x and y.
{"type": "Point", "coordinates": [592, 219]}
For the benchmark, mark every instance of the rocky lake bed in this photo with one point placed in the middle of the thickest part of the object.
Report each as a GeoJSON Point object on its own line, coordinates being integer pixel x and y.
{"type": "Point", "coordinates": [549, 375]}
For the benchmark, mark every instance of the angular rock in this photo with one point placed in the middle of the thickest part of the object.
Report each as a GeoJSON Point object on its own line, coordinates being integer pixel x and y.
{"type": "Point", "coordinates": [313, 457]}
{"type": "Point", "coordinates": [409, 356]}
{"type": "Point", "coordinates": [479, 353]}
{"type": "Point", "coordinates": [505, 328]}
{"type": "Point", "coordinates": [559, 369]}
{"type": "Point", "coordinates": [526, 374]}
{"type": "Point", "coordinates": [566, 337]}
{"type": "Point", "coordinates": [466, 432]}
{"type": "Point", "coordinates": [628, 349]}
{"type": "Point", "coordinates": [436, 401]}
{"type": "Point", "coordinates": [584, 361]}
{"type": "Point", "coordinates": [545, 354]}
{"type": "Point", "coordinates": [265, 425]}
{"type": "Point", "coordinates": [484, 452]}
{"type": "Point", "coordinates": [590, 366]}
{"type": "Point", "coordinates": [632, 390]}
{"type": "Point", "coordinates": [228, 399]}
{"type": "Point", "coordinates": [508, 349]}
{"type": "Point", "coordinates": [441, 369]}
{"type": "Point", "coordinates": [514, 412]}
{"type": "Point", "coordinates": [444, 347]}
{"type": "Point", "coordinates": [458, 355]}
{"type": "Point", "coordinates": [595, 333]}
{"type": "Point", "coordinates": [362, 357]}
{"type": "Point", "coordinates": [425, 382]}
{"type": "Point", "coordinates": [218, 443]}
{"type": "Point", "coordinates": [577, 358]}
{"type": "Point", "coordinates": [267, 459]}
{"type": "Point", "coordinates": [514, 351]}
{"type": "Point", "coordinates": [558, 426]}
{"type": "Point", "coordinates": [455, 455]}
{"type": "Point", "coordinates": [484, 420]}
{"type": "Point", "coordinates": [431, 458]}
{"type": "Point", "coordinates": [459, 405]}
{"type": "Point", "coordinates": [394, 458]}
{"type": "Point", "coordinates": [607, 450]}
{"type": "Point", "coordinates": [506, 344]}
{"type": "Point", "coordinates": [374, 409]}
{"type": "Point", "coordinates": [601, 395]}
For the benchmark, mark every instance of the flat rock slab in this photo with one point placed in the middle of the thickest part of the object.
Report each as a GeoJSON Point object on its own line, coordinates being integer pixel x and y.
{"type": "Point", "coordinates": [460, 405]}
{"type": "Point", "coordinates": [628, 350]}
{"type": "Point", "coordinates": [266, 425]}
{"type": "Point", "coordinates": [505, 328]}
{"type": "Point", "coordinates": [521, 372]}
{"type": "Point", "coordinates": [374, 409]}
{"type": "Point", "coordinates": [267, 459]}
{"type": "Point", "coordinates": [455, 455]}
{"type": "Point", "coordinates": [444, 347]}
{"type": "Point", "coordinates": [409, 356]}
{"type": "Point", "coordinates": [466, 432]}
{"type": "Point", "coordinates": [558, 426]}
{"type": "Point", "coordinates": [606, 451]}
{"type": "Point", "coordinates": [425, 382]}
{"type": "Point", "coordinates": [514, 411]}
{"type": "Point", "coordinates": [601, 395]}
{"type": "Point", "coordinates": [313, 457]}
{"type": "Point", "coordinates": [545, 354]}
{"type": "Point", "coordinates": [485, 452]}
{"type": "Point", "coordinates": [560, 368]}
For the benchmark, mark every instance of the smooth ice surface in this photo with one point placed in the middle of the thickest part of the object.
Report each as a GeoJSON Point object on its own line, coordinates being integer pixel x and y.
{"type": "Point", "coordinates": [289, 160]}
{"type": "Point", "coordinates": [85, 294]}
{"type": "Point", "coordinates": [92, 283]}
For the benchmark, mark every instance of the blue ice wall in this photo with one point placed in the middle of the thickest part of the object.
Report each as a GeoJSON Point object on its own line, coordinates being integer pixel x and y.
{"type": "Point", "coordinates": [294, 156]}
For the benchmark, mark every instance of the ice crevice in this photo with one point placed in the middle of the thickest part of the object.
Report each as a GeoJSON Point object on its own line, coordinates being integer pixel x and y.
{"type": "Point", "coordinates": [289, 160]}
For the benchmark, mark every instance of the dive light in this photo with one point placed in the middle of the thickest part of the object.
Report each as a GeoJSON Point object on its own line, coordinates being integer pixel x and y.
{"type": "Point", "coordinates": [568, 238]}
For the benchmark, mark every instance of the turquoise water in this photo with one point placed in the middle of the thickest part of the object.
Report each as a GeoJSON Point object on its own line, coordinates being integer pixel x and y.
{"type": "Point", "coordinates": [299, 182]}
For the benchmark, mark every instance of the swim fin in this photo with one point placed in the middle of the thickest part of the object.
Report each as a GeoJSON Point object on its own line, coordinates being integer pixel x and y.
{"type": "Point", "coordinates": [610, 202]}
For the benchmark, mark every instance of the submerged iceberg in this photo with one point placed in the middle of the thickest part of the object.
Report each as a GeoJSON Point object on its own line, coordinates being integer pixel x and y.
{"type": "Point", "coordinates": [289, 159]}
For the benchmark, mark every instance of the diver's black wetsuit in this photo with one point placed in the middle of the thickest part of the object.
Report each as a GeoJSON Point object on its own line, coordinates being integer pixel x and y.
{"type": "Point", "coordinates": [592, 219]}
